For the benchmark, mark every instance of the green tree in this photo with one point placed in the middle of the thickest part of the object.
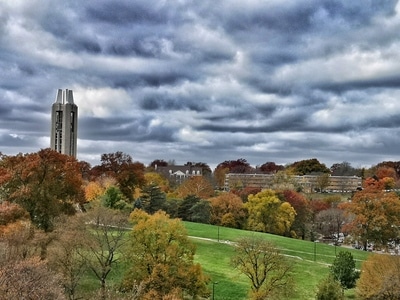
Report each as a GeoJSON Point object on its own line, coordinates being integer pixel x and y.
{"type": "Point", "coordinates": [344, 270]}
{"type": "Point", "coordinates": [114, 198]}
{"type": "Point", "coordinates": [201, 212]}
{"type": "Point", "coordinates": [269, 214]}
{"type": "Point", "coordinates": [160, 258]}
{"type": "Point", "coordinates": [308, 166]}
{"type": "Point", "coordinates": [152, 199]}
{"type": "Point", "coordinates": [268, 271]}
{"type": "Point", "coordinates": [329, 289]}
{"type": "Point", "coordinates": [185, 206]}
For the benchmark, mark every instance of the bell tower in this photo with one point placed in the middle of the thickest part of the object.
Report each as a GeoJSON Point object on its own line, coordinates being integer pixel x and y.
{"type": "Point", "coordinates": [64, 123]}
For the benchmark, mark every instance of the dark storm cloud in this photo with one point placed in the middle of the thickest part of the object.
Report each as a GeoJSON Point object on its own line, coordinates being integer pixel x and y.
{"type": "Point", "coordinates": [206, 81]}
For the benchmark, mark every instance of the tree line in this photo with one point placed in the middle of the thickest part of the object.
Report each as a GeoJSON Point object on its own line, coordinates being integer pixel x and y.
{"type": "Point", "coordinates": [63, 218]}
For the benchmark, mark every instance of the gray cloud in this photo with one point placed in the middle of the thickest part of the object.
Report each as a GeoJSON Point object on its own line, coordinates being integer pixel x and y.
{"type": "Point", "coordinates": [206, 81]}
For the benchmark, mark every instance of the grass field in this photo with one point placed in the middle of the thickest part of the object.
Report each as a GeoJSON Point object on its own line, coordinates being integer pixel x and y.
{"type": "Point", "coordinates": [310, 260]}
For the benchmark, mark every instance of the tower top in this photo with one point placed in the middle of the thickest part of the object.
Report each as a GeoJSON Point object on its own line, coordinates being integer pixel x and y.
{"type": "Point", "coordinates": [64, 97]}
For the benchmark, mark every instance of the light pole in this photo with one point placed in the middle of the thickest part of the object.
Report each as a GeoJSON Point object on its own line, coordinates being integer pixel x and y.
{"type": "Point", "coordinates": [214, 283]}
{"type": "Point", "coordinates": [315, 250]}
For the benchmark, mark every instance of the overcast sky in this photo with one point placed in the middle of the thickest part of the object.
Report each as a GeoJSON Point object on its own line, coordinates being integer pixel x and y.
{"type": "Point", "coordinates": [206, 81]}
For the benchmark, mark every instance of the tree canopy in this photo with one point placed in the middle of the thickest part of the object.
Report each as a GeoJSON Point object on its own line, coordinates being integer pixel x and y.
{"type": "Point", "coordinates": [268, 270]}
{"type": "Point", "coordinates": [46, 184]}
{"type": "Point", "coordinates": [160, 258]}
{"type": "Point", "coordinates": [269, 214]}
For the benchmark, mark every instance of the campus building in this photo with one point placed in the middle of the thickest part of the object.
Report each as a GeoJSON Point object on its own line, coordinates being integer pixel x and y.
{"type": "Point", "coordinates": [64, 123]}
{"type": "Point", "coordinates": [178, 174]}
{"type": "Point", "coordinates": [308, 183]}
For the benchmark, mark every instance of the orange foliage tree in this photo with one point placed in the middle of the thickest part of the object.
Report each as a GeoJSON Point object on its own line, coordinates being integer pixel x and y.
{"type": "Point", "coordinates": [374, 214]}
{"type": "Point", "coordinates": [46, 184]}
{"type": "Point", "coordinates": [129, 174]}
{"type": "Point", "coordinates": [195, 186]}
{"type": "Point", "coordinates": [227, 210]}
{"type": "Point", "coordinates": [380, 278]}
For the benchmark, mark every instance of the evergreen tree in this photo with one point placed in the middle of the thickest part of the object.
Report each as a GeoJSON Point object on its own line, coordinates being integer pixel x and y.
{"type": "Point", "coordinates": [184, 209]}
{"type": "Point", "coordinates": [152, 199]}
{"type": "Point", "coordinates": [344, 270]}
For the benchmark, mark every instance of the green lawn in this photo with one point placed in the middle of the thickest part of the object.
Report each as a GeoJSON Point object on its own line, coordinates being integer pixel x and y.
{"type": "Point", "coordinates": [215, 249]}
{"type": "Point", "coordinates": [310, 260]}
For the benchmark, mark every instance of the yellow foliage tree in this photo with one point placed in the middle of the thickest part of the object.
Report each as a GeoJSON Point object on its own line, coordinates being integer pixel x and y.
{"type": "Point", "coordinates": [153, 178]}
{"type": "Point", "coordinates": [93, 190]}
{"type": "Point", "coordinates": [269, 214]}
{"type": "Point", "coordinates": [380, 278]}
{"type": "Point", "coordinates": [161, 258]}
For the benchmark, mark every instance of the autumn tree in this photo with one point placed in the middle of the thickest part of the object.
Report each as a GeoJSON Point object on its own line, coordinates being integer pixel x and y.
{"type": "Point", "coordinates": [196, 185]}
{"type": "Point", "coordinates": [235, 166]}
{"type": "Point", "coordinates": [244, 192]}
{"type": "Point", "coordinates": [66, 254]}
{"type": "Point", "coordinates": [10, 213]}
{"type": "Point", "coordinates": [94, 190]}
{"type": "Point", "coordinates": [17, 234]}
{"type": "Point", "coordinates": [160, 259]}
{"type": "Point", "coordinates": [343, 269]}
{"type": "Point", "coordinates": [46, 184]}
{"type": "Point", "coordinates": [227, 210]}
{"type": "Point", "coordinates": [271, 168]}
{"type": "Point", "coordinates": [29, 279]}
{"type": "Point", "coordinates": [308, 166]}
{"type": "Point", "coordinates": [388, 176]}
{"type": "Point", "coordinates": [303, 211]}
{"type": "Point", "coordinates": [154, 178]}
{"type": "Point", "coordinates": [374, 216]}
{"type": "Point", "coordinates": [219, 176]}
{"type": "Point", "coordinates": [380, 278]}
{"type": "Point", "coordinates": [269, 214]}
{"type": "Point", "coordinates": [129, 174]}
{"type": "Point", "coordinates": [269, 271]}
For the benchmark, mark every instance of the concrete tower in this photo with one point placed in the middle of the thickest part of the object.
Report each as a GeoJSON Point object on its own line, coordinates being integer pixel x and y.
{"type": "Point", "coordinates": [64, 123]}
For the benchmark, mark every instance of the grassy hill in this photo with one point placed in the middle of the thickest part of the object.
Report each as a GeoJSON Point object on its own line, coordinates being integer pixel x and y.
{"type": "Point", "coordinates": [310, 260]}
